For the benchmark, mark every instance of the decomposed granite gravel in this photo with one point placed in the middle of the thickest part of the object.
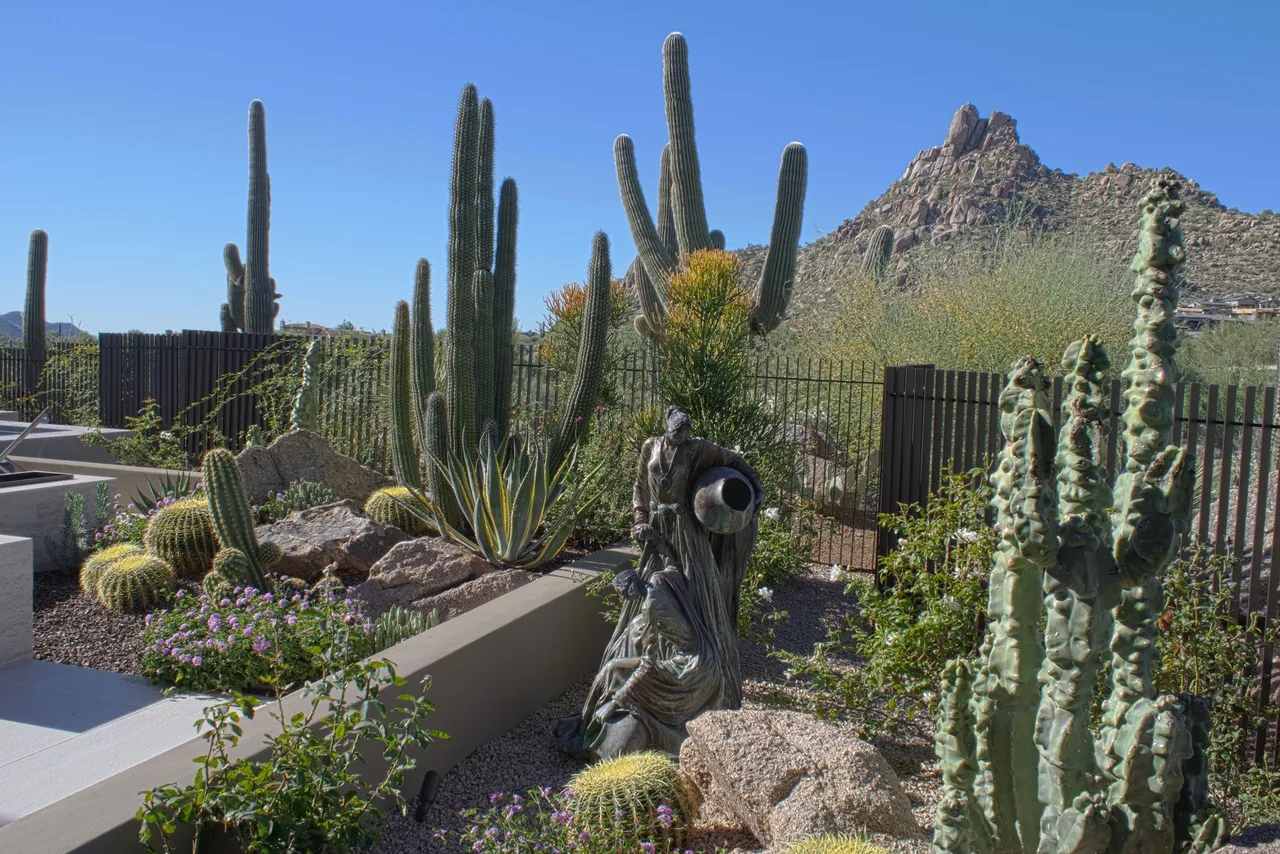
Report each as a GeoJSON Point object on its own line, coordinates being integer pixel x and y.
{"type": "Point", "coordinates": [72, 628]}
{"type": "Point", "coordinates": [525, 758]}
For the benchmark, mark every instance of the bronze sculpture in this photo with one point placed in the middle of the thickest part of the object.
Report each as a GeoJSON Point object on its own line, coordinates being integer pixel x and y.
{"type": "Point", "coordinates": [674, 653]}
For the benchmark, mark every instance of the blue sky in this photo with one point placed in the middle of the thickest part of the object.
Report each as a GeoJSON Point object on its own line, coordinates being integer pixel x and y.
{"type": "Point", "coordinates": [125, 126]}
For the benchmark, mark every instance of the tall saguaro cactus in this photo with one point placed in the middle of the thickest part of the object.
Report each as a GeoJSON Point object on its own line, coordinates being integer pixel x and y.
{"type": "Point", "coordinates": [33, 314]}
{"type": "Point", "coordinates": [252, 302]}
{"type": "Point", "coordinates": [682, 215]}
{"type": "Point", "coordinates": [1022, 773]}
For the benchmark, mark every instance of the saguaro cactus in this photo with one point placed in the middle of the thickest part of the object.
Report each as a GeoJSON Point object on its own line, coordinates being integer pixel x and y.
{"type": "Point", "coordinates": [879, 252]}
{"type": "Point", "coordinates": [682, 216]}
{"type": "Point", "coordinates": [1021, 771]}
{"type": "Point", "coordinates": [33, 314]}
{"type": "Point", "coordinates": [252, 302]}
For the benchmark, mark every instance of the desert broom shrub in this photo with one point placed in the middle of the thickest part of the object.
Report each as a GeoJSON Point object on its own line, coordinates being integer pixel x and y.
{"type": "Point", "coordinates": [1232, 353]}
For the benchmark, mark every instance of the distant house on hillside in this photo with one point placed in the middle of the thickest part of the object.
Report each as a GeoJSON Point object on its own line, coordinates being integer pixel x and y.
{"type": "Point", "coordinates": [1233, 303]}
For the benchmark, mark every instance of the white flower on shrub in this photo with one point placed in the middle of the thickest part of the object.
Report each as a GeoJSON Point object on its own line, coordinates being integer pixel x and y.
{"type": "Point", "coordinates": [928, 697]}
{"type": "Point", "coordinates": [967, 536]}
{"type": "Point", "coordinates": [773, 513]}
{"type": "Point", "coordinates": [838, 574]}
{"type": "Point", "coordinates": [765, 593]}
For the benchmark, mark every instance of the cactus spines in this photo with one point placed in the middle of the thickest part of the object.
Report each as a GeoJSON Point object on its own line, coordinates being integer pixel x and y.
{"type": "Point", "coordinates": [135, 583]}
{"type": "Point", "coordinates": [436, 447]}
{"type": "Point", "coordinates": [879, 252]}
{"type": "Point", "coordinates": [422, 350]}
{"type": "Point", "coordinates": [182, 535]}
{"type": "Point", "coordinates": [589, 368]}
{"type": "Point", "coordinates": [33, 314]}
{"type": "Point", "coordinates": [93, 567]}
{"type": "Point", "coordinates": [387, 506]}
{"type": "Point", "coordinates": [306, 405]}
{"type": "Point", "coordinates": [460, 385]}
{"type": "Point", "coordinates": [241, 558]}
{"type": "Point", "coordinates": [635, 785]}
{"type": "Point", "coordinates": [682, 228]}
{"type": "Point", "coordinates": [252, 301]}
{"type": "Point", "coordinates": [404, 454]}
{"type": "Point", "coordinates": [1094, 556]}
{"type": "Point", "coordinates": [504, 303]}
{"type": "Point", "coordinates": [485, 379]}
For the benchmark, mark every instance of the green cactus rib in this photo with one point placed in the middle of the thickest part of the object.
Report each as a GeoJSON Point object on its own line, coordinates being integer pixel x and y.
{"type": "Point", "coordinates": [404, 454]}
{"type": "Point", "coordinates": [589, 368]}
{"type": "Point", "coordinates": [484, 356]}
{"type": "Point", "coordinates": [241, 558]}
{"type": "Point", "coordinates": [422, 356]}
{"type": "Point", "coordinates": [682, 227]}
{"type": "Point", "coordinates": [879, 252]}
{"type": "Point", "coordinates": [460, 380]}
{"type": "Point", "coordinates": [504, 304]}
{"type": "Point", "coordinates": [1097, 553]}
{"type": "Point", "coordinates": [437, 454]}
{"type": "Point", "coordinates": [306, 404]}
{"type": "Point", "coordinates": [233, 308]}
{"type": "Point", "coordinates": [134, 583]}
{"type": "Point", "coordinates": [33, 313]}
{"type": "Point", "coordinates": [259, 295]}
{"type": "Point", "coordinates": [182, 535]}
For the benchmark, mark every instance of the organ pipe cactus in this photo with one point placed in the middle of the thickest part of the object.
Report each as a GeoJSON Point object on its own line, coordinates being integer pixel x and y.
{"type": "Point", "coordinates": [879, 251]}
{"type": "Point", "coordinates": [306, 405]}
{"type": "Point", "coordinates": [1022, 773]}
{"type": "Point", "coordinates": [682, 216]}
{"type": "Point", "coordinates": [472, 408]}
{"type": "Point", "coordinates": [252, 302]}
{"type": "Point", "coordinates": [241, 559]}
{"type": "Point", "coordinates": [33, 314]}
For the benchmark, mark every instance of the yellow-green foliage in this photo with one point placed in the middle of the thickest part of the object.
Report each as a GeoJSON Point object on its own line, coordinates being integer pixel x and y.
{"type": "Point", "coordinates": [135, 583]}
{"type": "Point", "coordinates": [637, 784]}
{"type": "Point", "coordinates": [387, 506]}
{"type": "Point", "coordinates": [979, 311]}
{"type": "Point", "coordinates": [834, 844]}
{"type": "Point", "coordinates": [97, 562]}
{"type": "Point", "coordinates": [182, 535]}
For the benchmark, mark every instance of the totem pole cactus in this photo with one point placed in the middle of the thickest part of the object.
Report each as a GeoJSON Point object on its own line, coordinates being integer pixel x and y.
{"type": "Point", "coordinates": [1022, 773]}
{"type": "Point", "coordinates": [241, 560]}
{"type": "Point", "coordinates": [306, 405]}
{"type": "Point", "coordinates": [33, 315]}
{"type": "Point", "coordinates": [879, 251]}
{"type": "Point", "coordinates": [252, 302]}
{"type": "Point", "coordinates": [682, 216]}
{"type": "Point", "coordinates": [476, 397]}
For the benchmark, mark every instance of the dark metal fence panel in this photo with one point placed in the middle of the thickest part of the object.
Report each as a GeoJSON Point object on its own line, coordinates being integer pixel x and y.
{"type": "Point", "coordinates": [64, 377]}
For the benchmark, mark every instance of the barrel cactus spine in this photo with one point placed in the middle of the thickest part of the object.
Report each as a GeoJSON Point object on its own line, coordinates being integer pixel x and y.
{"type": "Point", "coordinates": [93, 567]}
{"type": "Point", "coordinates": [135, 583]}
{"type": "Point", "coordinates": [181, 534]}
{"type": "Point", "coordinates": [241, 559]}
{"type": "Point", "coordinates": [875, 263]}
{"type": "Point", "coordinates": [632, 791]}
{"type": "Point", "coordinates": [1021, 771]}
{"type": "Point", "coordinates": [390, 506]}
{"type": "Point", "coordinates": [33, 314]}
{"type": "Point", "coordinates": [680, 181]}
{"type": "Point", "coordinates": [252, 301]}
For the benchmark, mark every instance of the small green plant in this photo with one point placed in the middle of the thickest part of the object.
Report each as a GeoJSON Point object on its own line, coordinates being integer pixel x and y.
{"type": "Point", "coordinates": [135, 583]}
{"type": "Point", "coordinates": [299, 495]}
{"type": "Point", "coordinates": [927, 611]}
{"type": "Point", "coordinates": [308, 795]}
{"type": "Point", "coordinates": [400, 624]}
{"type": "Point", "coordinates": [75, 538]}
{"type": "Point", "coordinates": [171, 488]}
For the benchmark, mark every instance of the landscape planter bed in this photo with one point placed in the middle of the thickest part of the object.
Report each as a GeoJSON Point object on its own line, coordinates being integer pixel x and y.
{"type": "Point", "coordinates": [491, 668]}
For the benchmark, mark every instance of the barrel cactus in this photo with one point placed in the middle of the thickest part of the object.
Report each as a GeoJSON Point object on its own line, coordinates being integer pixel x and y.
{"type": "Point", "coordinates": [682, 216]}
{"type": "Point", "coordinates": [879, 252]}
{"type": "Point", "coordinates": [135, 583]}
{"type": "Point", "coordinates": [94, 565]}
{"type": "Point", "coordinates": [387, 506]}
{"type": "Point", "coordinates": [645, 787]}
{"type": "Point", "coordinates": [181, 534]}
{"type": "Point", "coordinates": [241, 560]}
{"type": "Point", "coordinates": [252, 302]}
{"type": "Point", "coordinates": [1083, 558]}
{"type": "Point", "coordinates": [834, 844]}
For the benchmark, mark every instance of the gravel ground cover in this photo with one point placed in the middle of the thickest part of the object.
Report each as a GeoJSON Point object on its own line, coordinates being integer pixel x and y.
{"type": "Point", "coordinates": [72, 628]}
{"type": "Point", "coordinates": [525, 758]}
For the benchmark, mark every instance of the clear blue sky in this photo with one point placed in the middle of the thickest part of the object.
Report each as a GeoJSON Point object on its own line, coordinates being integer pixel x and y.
{"type": "Point", "coordinates": [124, 131]}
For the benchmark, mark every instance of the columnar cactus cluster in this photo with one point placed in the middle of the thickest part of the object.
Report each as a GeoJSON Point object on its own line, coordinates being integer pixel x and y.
{"type": "Point", "coordinates": [879, 252]}
{"type": "Point", "coordinates": [475, 400]}
{"type": "Point", "coordinates": [682, 216]}
{"type": "Point", "coordinates": [306, 405]}
{"type": "Point", "coordinates": [1021, 770]}
{"type": "Point", "coordinates": [252, 302]}
{"type": "Point", "coordinates": [242, 560]}
{"type": "Point", "coordinates": [33, 314]}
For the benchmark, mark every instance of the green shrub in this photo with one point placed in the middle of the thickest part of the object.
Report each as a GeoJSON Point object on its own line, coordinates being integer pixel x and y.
{"type": "Point", "coordinates": [149, 446]}
{"type": "Point", "coordinates": [927, 613]}
{"type": "Point", "coordinates": [1232, 353]}
{"type": "Point", "coordinates": [308, 795]}
{"type": "Point", "coordinates": [613, 451]}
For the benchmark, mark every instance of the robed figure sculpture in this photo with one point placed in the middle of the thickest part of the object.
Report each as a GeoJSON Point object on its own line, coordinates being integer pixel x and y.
{"type": "Point", "coordinates": [674, 653]}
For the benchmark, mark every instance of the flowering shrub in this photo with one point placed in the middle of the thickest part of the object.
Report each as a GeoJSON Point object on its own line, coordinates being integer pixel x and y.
{"type": "Point", "coordinates": [545, 822]}
{"type": "Point", "coordinates": [125, 524]}
{"type": "Point", "coordinates": [243, 641]}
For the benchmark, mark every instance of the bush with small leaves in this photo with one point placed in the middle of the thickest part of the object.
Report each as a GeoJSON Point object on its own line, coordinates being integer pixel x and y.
{"type": "Point", "coordinates": [135, 583]}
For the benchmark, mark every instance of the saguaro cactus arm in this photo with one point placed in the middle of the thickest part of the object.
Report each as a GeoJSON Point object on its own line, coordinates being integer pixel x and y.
{"type": "Point", "coordinates": [460, 379]}
{"type": "Point", "coordinates": [259, 295]}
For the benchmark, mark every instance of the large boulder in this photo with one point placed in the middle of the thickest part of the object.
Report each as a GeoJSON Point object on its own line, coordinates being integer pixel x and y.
{"type": "Point", "coordinates": [432, 573]}
{"type": "Point", "coordinates": [329, 534]}
{"type": "Point", "coordinates": [786, 776]}
{"type": "Point", "coordinates": [303, 455]}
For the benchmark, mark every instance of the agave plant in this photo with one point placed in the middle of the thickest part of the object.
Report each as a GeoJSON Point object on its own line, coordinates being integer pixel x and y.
{"type": "Point", "coordinates": [518, 510]}
{"type": "Point", "coordinates": [170, 487]}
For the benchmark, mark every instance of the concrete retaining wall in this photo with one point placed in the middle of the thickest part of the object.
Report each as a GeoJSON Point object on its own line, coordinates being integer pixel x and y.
{"type": "Point", "coordinates": [35, 510]}
{"type": "Point", "coordinates": [129, 479]}
{"type": "Point", "coordinates": [491, 668]}
{"type": "Point", "coordinates": [17, 622]}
